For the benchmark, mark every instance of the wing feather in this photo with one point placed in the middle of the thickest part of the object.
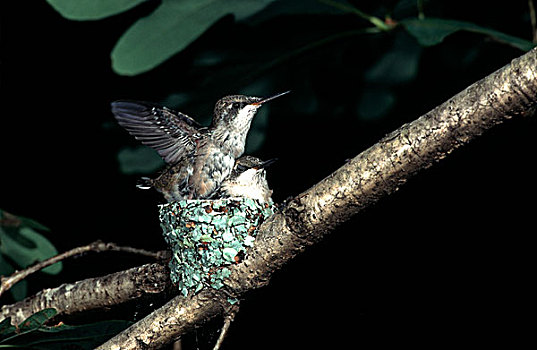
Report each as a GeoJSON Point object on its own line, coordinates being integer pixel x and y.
{"type": "Point", "coordinates": [172, 134]}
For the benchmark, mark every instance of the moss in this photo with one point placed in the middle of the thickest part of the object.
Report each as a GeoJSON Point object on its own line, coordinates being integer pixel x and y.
{"type": "Point", "coordinates": [207, 235]}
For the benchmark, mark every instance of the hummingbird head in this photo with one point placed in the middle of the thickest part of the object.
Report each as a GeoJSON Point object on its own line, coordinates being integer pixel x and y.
{"type": "Point", "coordinates": [250, 171]}
{"type": "Point", "coordinates": [237, 111]}
{"type": "Point", "coordinates": [249, 162]}
{"type": "Point", "coordinates": [248, 179]}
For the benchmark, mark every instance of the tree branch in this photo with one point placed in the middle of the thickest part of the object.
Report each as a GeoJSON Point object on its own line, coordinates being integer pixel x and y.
{"type": "Point", "coordinates": [370, 176]}
{"type": "Point", "coordinates": [384, 167]}
{"type": "Point", "coordinates": [98, 246]}
{"type": "Point", "coordinates": [92, 293]}
{"type": "Point", "coordinates": [306, 219]}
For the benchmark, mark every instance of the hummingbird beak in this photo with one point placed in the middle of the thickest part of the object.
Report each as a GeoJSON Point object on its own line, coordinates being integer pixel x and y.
{"type": "Point", "coordinates": [258, 103]}
{"type": "Point", "coordinates": [267, 162]}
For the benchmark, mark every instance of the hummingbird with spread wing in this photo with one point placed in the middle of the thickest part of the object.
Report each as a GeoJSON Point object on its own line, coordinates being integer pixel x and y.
{"type": "Point", "coordinates": [198, 158]}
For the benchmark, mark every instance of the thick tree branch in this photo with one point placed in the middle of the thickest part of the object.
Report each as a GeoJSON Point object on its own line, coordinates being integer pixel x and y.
{"type": "Point", "coordinates": [178, 316]}
{"type": "Point", "coordinates": [98, 246]}
{"type": "Point", "coordinates": [372, 175]}
{"type": "Point", "coordinates": [384, 167]}
{"type": "Point", "coordinates": [92, 293]}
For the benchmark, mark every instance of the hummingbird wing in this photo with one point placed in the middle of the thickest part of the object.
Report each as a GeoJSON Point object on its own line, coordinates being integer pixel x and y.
{"type": "Point", "coordinates": [172, 134]}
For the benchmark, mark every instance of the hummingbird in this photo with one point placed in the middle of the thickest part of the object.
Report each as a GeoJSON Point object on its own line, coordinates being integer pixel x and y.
{"type": "Point", "coordinates": [198, 158]}
{"type": "Point", "coordinates": [248, 179]}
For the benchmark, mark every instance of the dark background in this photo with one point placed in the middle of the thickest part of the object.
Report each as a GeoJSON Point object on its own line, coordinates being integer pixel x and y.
{"type": "Point", "coordinates": [446, 260]}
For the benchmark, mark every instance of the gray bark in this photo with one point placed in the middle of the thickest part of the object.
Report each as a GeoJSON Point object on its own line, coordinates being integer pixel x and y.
{"type": "Point", "coordinates": [384, 167]}
{"type": "Point", "coordinates": [92, 293]}
{"type": "Point", "coordinates": [374, 174]}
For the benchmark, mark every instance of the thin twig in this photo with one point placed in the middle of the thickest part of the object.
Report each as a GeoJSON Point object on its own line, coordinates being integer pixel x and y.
{"type": "Point", "coordinates": [377, 22]}
{"type": "Point", "coordinates": [227, 323]}
{"type": "Point", "coordinates": [177, 345]}
{"type": "Point", "coordinates": [421, 13]}
{"type": "Point", "coordinates": [94, 293]}
{"type": "Point", "coordinates": [98, 246]}
{"type": "Point", "coordinates": [308, 47]}
{"type": "Point", "coordinates": [533, 20]}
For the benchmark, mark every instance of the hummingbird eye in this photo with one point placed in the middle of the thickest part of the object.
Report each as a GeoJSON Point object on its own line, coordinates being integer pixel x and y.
{"type": "Point", "coordinates": [238, 105]}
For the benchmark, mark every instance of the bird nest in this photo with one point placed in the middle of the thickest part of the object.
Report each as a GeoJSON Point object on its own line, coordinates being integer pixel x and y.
{"type": "Point", "coordinates": [205, 236]}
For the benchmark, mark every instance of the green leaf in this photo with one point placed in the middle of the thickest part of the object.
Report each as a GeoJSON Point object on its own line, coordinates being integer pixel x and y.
{"type": "Point", "coordinates": [32, 333]}
{"type": "Point", "coordinates": [399, 65]}
{"type": "Point", "coordinates": [84, 10]}
{"type": "Point", "coordinates": [139, 160]}
{"type": "Point", "coordinates": [25, 255]}
{"type": "Point", "coordinates": [302, 7]}
{"type": "Point", "coordinates": [429, 31]}
{"type": "Point", "coordinates": [19, 290]}
{"type": "Point", "coordinates": [37, 320]}
{"type": "Point", "coordinates": [375, 103]}
{"type": "Point", "coordinates": [5, 267]}
{"type": "Point", "coordinates": [6, 327]}
{"type": "Point", "coordinates": [171, 28]}
{"type": "Point", "coordinates": [32, 223]}
{"type": "Point", "coordinates": [432, 31]}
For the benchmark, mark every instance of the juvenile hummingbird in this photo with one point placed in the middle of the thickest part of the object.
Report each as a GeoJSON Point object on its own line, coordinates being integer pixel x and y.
{"type": "Point", "coordinates": [198, 158]}
{"type": "Point", "coordinates": [247, 179]}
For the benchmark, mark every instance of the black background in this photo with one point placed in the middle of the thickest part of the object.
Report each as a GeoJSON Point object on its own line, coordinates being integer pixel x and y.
{"type": "Point", "coordinates": [446, 260]}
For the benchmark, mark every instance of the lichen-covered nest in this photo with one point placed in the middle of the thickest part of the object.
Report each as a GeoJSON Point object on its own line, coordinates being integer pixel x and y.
{"type": "Point", "coordinates": [207, 235]}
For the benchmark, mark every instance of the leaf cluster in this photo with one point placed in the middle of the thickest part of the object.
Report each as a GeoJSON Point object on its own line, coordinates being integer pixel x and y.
{"type": "Point", "coordinates": [175, 24]}
{"type": "Point", "coordinates": [21, 245]}
{"type": "Point", "coordinates": [254, 47]}
{"type": "Point", "coordinates": [34, 333]}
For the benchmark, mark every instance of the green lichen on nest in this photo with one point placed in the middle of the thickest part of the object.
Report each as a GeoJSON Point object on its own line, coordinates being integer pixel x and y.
{"type": "Point", "coordinates": [207, 235]}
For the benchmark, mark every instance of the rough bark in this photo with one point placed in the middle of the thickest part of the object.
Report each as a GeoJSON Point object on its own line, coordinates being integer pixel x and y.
{"type": "Point", "coordinates": [92, 293]}
{"type": "Point", "coordinates": [370, 176]}
{"type": "Point", "coordinates": [176, 317]}
{"type": "Point", "coordinates": [383, 168]}
{"type": "Point", "coordinates": [98, 246]}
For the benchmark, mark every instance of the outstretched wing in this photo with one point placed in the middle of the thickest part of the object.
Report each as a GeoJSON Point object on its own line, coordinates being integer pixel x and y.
{"type": "Point", "coordinates": [172, 134]}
